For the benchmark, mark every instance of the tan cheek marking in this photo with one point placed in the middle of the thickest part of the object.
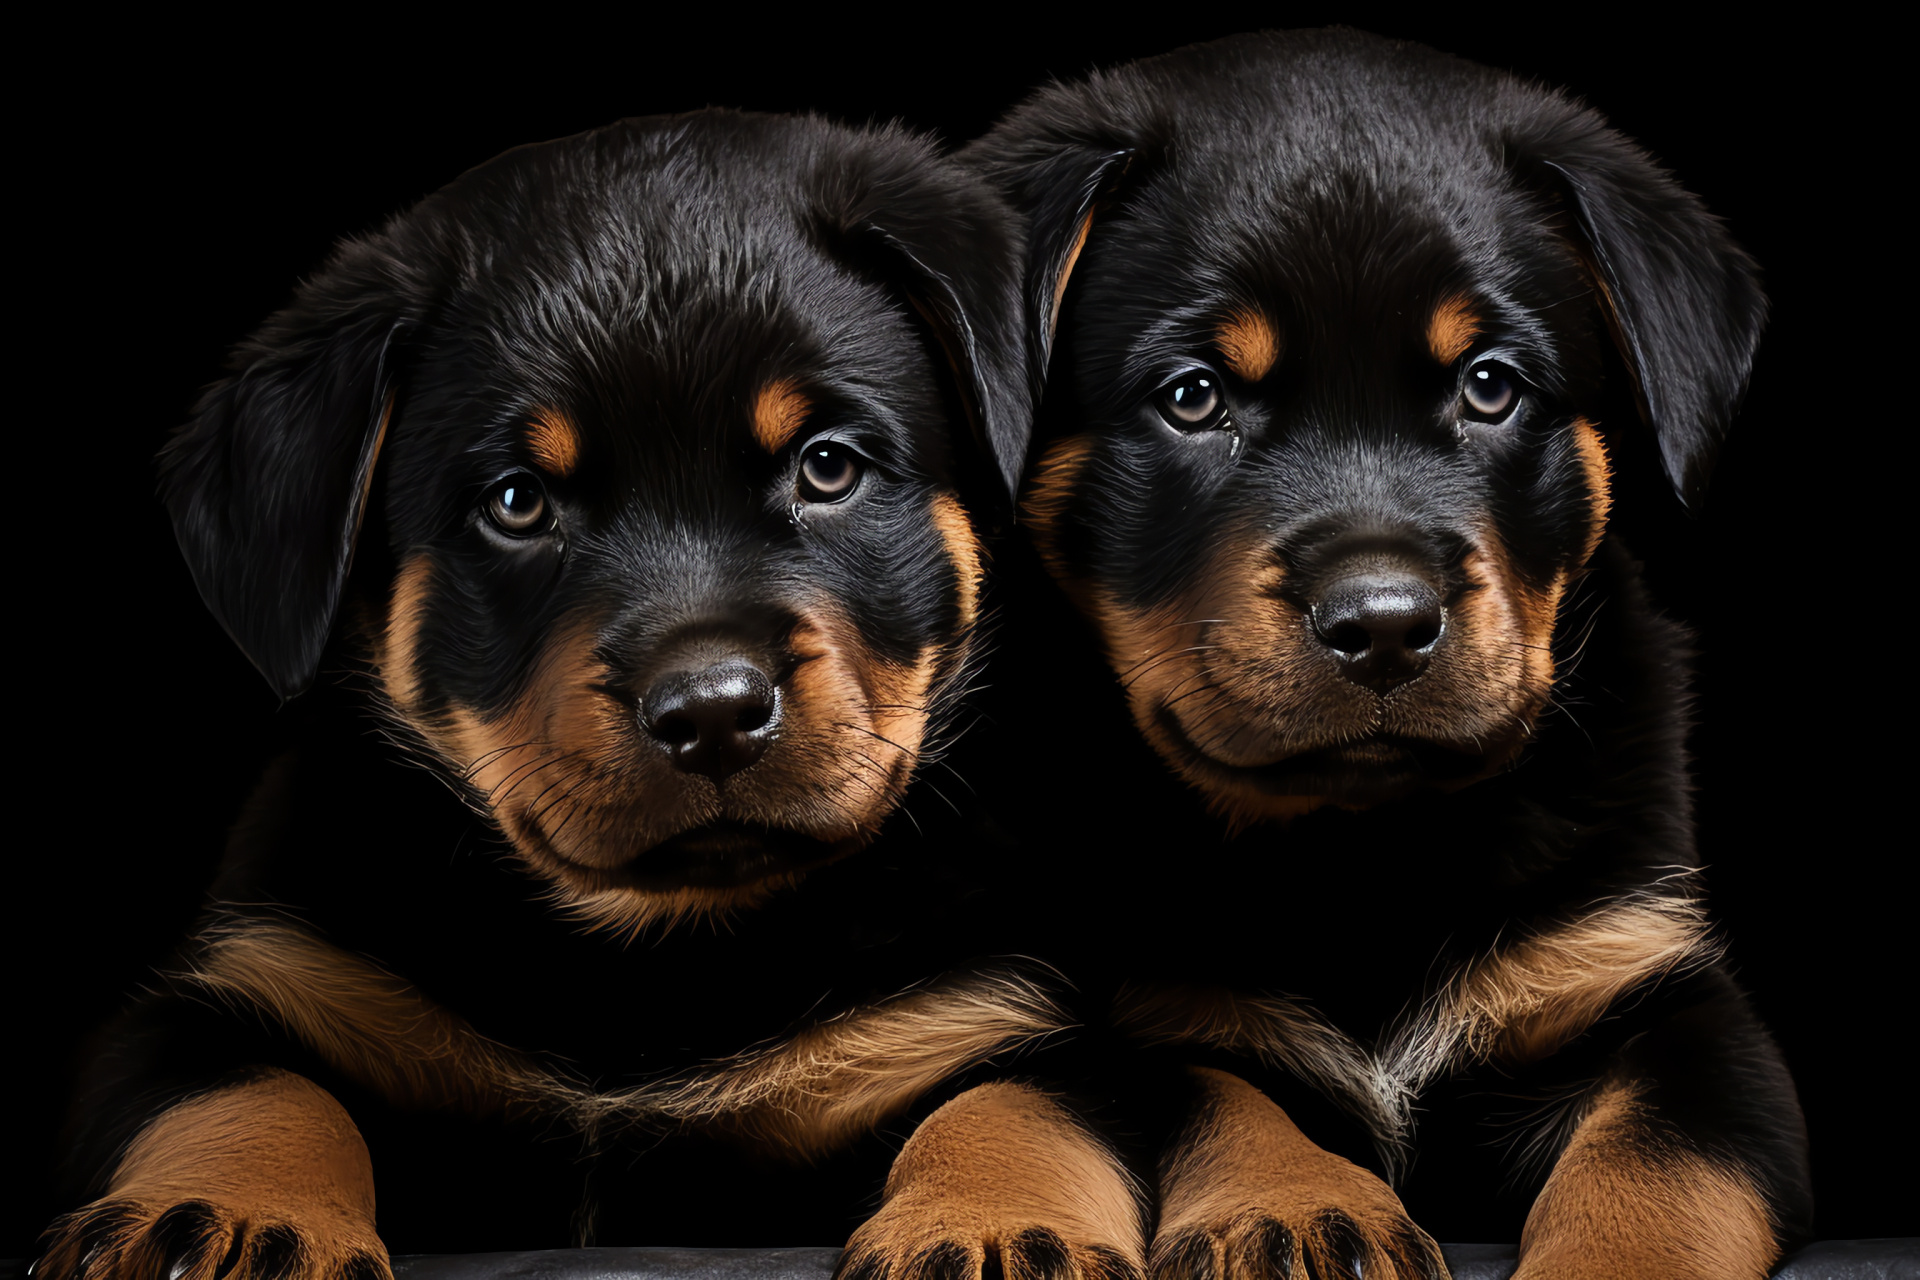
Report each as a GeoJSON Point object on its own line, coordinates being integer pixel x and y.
{"type": "Point", "coordinates": [554, 441]}
{"type": "Point", "coordinates": [1055, 477]}
{"type": "Point", "coordinates": [1238, 1158]}
{"type": "Point", "coordinates": [1250, 343]}
{"type": "Point", "coordinates": [997, 1161]}
{"type": "Point", "coordinates": [1452, 329]}
{"type": "Point", "coordinates": [398, 643]}
{"type": "Point", "coordinates": [1624, 1202]}
{"type": "Point", "coordinates": [836, 1081]}
{"type": "Point", "coordinates": [856, 725]}
{"type": "Point", "coordinates": [963, 548]}
{"type": "Point", "coordinates": [1066, 273]}
{"type": "Point", "coordinates": [1599, 472]}
{"type": "Point", "coordinates": [779, 412]}
{"type": "Point", "coordinates": [1507, 620]}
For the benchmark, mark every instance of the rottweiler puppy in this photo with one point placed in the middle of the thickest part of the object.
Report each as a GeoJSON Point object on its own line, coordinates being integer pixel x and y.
{"type": "Point", "coordinates": [616, 486]}
{"type": "Point", "coordinates": [1329, 327]}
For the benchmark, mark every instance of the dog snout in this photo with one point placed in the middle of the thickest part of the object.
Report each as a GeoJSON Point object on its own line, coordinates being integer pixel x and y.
{"type": "Point", "coordinates": [1382, 622]}
{"type": "Point", "coordinates": [714, 717]}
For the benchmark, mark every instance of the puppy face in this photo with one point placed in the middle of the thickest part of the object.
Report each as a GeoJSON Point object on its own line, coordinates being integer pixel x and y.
{"type": "Point", "coordinates": [1322, 464]}
{"type": "Point", "coordinates": [666, 465]}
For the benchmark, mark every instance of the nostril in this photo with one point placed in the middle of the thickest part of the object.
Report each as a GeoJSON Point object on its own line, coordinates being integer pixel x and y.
{"type": "Point", "coordinates": [754, 717]}
{"type": "Point", "coordinates": [1349, 637]}
{"type": "Point", "coordinates": [675, 729]}
{"type": "Point", "coordinates": [1424, 632]}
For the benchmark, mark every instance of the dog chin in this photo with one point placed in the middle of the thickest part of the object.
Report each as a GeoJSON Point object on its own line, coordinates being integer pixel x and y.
{"type": "Point", "coordinates": [722, 854]}
{"type": "Point", "coordinates": [1353, 774]}
{"type": "Point", "coordinates": [729, 854]}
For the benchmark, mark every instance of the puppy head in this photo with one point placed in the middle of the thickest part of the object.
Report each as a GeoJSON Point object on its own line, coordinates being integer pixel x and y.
{"type": "Point", "coordinates": [663, 426]}
{"type": "Point", "coordinates": [1329, 319]}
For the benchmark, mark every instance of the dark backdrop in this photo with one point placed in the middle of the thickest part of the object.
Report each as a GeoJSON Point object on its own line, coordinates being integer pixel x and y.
{"type": "Point", "coordinates": [173, 183]}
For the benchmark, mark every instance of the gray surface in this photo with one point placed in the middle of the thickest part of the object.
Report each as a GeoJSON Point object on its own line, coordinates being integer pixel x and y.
{"type": "Point", "coordinates": [1828, 1260]}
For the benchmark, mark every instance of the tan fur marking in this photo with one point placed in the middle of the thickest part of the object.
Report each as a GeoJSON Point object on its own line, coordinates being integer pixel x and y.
{"type": "Point", "coordinates": [1599, 472]}
{"type": "Point", "coordinates": [554, 441]}
{"type": "Point", "coordinates": [1239, 1161]}
{"type": "Point", "coordinates": [963, 548]}
{"type": "Point", "coordinates": [1517, 1004]}
{"type": "Point", "coordinates": [1055, 477]}
{"type": "Point", "coordinates": [1249, 341]}
{"type": "Point", "coordinates": [1526, 1000]}
{"type": "Point", "coordinates": [1066, 273]}
{"type": "Point", "coordinates": [369, 1025]}
{"type": "Point", "coordinates": [836, 1081]}
{"type": "Point", "coordinates": [1452, 329]}
{"type": "Point", "coordinates": [1623, 1202]}
{"type": "Point", "coordinates": [997, 1161]}
{"type": "Point", "coordinates": [274, 1151]}
{"type": "Point", "coordinates": [1277, 1031]}
{"type": "Point", "coordinates": [779, 412]}
{"type": "Point", "coordinates": [805, 1096]}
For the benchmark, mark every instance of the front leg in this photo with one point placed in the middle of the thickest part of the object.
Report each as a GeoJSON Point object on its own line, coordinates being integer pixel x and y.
{"type": "Point", "coordinates": [1688, 1160]}
{"type": "Point", "coordinates": [1002, 1181]}
{"type": "Point", "coordinates": [1244, 1195]}
{"type": "Point", "coordinates": [265, 1177]}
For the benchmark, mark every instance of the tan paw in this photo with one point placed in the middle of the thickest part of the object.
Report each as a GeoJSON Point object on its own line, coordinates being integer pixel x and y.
{"type": "Point", "coordinates": [1244, 1195]}
{"type": "Point", "coordinates": [932, 1249]}
{"type": "Point", "coordinates": [1321, 1244]}
{"type": "Point", "coordinates": [1002, 1183]}
{"type": "Point", "coordinates": [120, 1239]}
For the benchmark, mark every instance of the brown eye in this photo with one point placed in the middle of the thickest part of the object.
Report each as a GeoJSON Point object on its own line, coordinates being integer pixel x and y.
{"type": "Point", "coordinates": [828, 472]}
{"type": "Point", "coordinates": [1491, 392]}
{"type": "Point", "coordinates": [1194, 403]}
{"type": "Point", "coordinates": [517, 505]}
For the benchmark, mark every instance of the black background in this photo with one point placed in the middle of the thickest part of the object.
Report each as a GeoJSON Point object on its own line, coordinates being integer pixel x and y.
{"type": "Point", "coordinates": [171, 185]}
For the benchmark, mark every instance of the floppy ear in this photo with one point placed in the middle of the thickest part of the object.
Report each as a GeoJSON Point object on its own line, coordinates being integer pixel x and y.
{"type": "Point", "coordinates": [950, 245]}
{"type": "Point", "coordinates": [1683, 300]}
{"type": "Point", "coordinates": [268, 482]}
{"type": "Point", "coordinates": [1057, 187]}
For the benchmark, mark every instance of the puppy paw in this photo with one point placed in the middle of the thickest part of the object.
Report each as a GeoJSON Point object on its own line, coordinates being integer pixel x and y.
{"type": "Point", "coordinates": [1002, 1183]}
{"type": "Point", "coordinates": [198, 1240]}
{"type": "Point", "coordinates": [1325, 1242]}
{"type": "Point", "coordinates": [1244, 1195]}
{"type": "Point", "coordinates": [895, 1247]}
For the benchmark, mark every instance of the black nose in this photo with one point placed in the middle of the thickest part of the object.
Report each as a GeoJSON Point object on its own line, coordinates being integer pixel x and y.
{"type": "Point", "coordinates": [713, 720]}
{"type": "Point", "coordinates": [1382, 624]}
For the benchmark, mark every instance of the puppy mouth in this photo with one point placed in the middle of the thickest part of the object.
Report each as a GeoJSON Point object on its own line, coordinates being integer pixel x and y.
{"type": "Point", "coordinates": [723, 854]}
{"type": "Point", "coordinates": [1365, 771]}
{"type": "Point", "coordinates": [727, 854]}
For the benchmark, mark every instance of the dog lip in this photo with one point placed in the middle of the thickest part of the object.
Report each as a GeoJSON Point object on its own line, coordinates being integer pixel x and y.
{"type": "Point", "coordinates": [726, 854]}
{"type": "Point", "coordinates": [1362, 771]}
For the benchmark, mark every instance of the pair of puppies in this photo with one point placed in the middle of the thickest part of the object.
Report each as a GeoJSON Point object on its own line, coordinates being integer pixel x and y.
{"type": "Point", "coordinates": [679, 583]}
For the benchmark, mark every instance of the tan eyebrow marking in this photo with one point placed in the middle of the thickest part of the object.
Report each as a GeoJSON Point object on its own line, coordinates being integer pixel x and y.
{"type": "Point", "coordinates": [779, 411]}
{"type": "Point", "coordinates": [1250, 343]}
{"type": "Point", "coordinates": [555, 442]}
{"type": "Point", "coordinates": [1454, 326]}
